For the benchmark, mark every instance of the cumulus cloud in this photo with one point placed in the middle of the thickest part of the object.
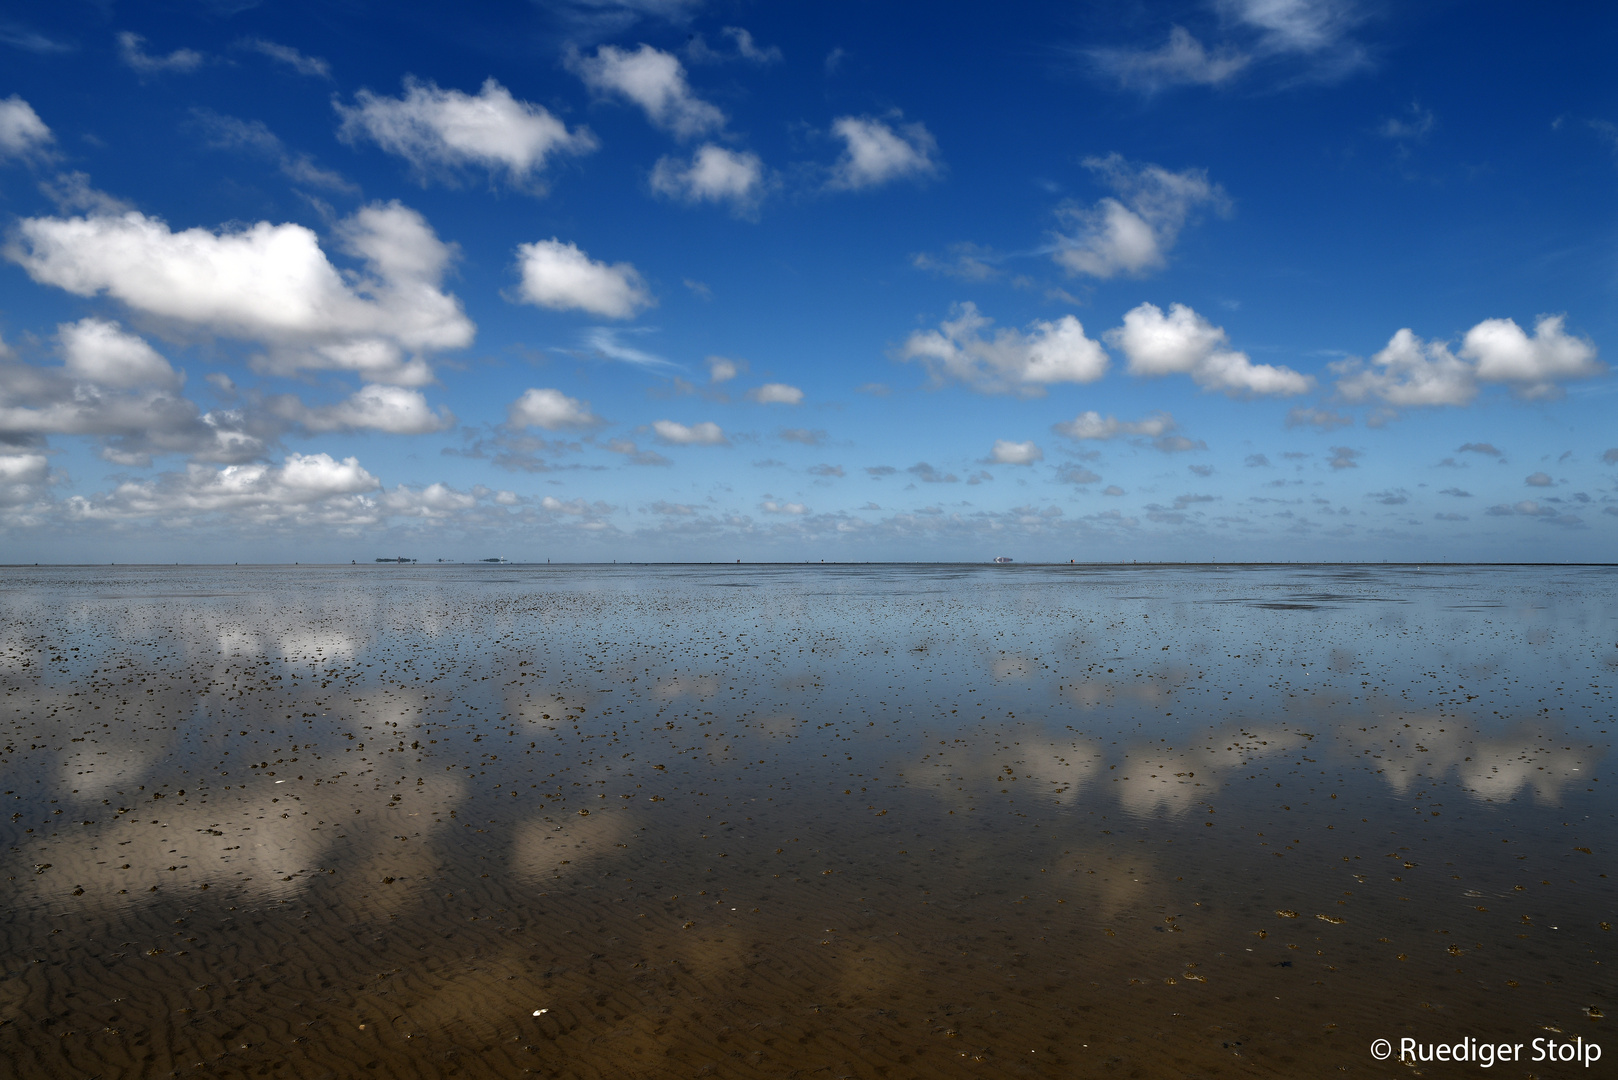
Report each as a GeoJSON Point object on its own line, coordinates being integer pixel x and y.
{"type": "Point", "coordinates": [1133, 233]}
{"type": "Point", "coordinates": [309, 486]}
{"type": "Point", "coordinates": [722, 369]}
{"type": "Point", "coordinates": [1532, 365]}
{"type": "Point", "coordinates": [713, 174]}
{"type": "Point", "coordinates": [654, 80]}
{"type": "Point", "coordinates": [270, 284]}
{"type": "Point", "coordinates": [775, 394]}
{"type": "Point", "coordinates": [114, 387]}
{"type": "Point", "coordinates": [827, 471]}
{"type": "Point", "coordinates": [1412, 372]}
{"type": "Point", "coordinates": [1079, 475]}
{"type": "Point", "coordinates": [874, 153]}
{"type": "Point", "coordinates": [561, 277]}
{"type": "Point", "coordinates": [1409, 372]}
{"type": "Point", "coordinates": [1539, 479]}
{"type": "Point", "coordinates": [24, 479]}
{"type": "Point", "coordinates": [443, 131]}
{"type": "Point", "coordinates": [1092, 425]}
{"type": "Point", "coordinates": [1006, 360]}
{"type": "Point", "coordinates": [706, 433]}
{"type": "Point", "coordinates": [312, 66]}
{"type": "Point", "coordinates": [770, 506]}
{"type": "Point", "coordinates": [23, 135]}
{"type": "Point", "coordinates": [1184, 342]}
{"type": "Point", "coordinates": [1182, 60]}
{"type": "Point", "coordinates": [132, 51]}
{"type": "Point", "coordinates": [392, 409]}
{"type": "Point", "coordinates": [551, 410]}
{"type": "Point", "coordinates": [1610, 456]}
{"type": "Point", "coordinates": [1006, 452]}
{"type": "Point", "coordinates": [102, 351]}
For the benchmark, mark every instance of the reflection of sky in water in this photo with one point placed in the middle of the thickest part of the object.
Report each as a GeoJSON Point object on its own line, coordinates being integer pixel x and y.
{"type": "Point", "coordinates": [226, 726]}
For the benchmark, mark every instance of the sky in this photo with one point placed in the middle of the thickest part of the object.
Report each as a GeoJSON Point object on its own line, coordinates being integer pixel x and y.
{"type": "Point", "coordinates": [648, 280]}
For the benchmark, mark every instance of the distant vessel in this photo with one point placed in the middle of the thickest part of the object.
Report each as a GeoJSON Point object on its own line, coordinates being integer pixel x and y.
{"type": "Point", "coordinates": [495, 559]}
{"type": "Point", "coordinates": [398, 558]}
{"type": "Point", "coordinates": [1003, 559]}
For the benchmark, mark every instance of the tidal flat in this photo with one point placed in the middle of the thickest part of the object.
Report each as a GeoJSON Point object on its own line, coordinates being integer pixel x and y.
{"type": "Point", "coordinates": [801, 821]}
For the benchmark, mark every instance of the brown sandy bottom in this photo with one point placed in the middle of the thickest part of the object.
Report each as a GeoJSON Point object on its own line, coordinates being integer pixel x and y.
{"type": "Point", "coordinates": [904, 826]}
{"type": "Point", "coordinates": [674, 944]}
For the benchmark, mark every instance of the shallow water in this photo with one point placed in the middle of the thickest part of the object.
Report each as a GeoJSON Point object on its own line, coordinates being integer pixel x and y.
{"type": "Point", "coordinates": [801, 821]}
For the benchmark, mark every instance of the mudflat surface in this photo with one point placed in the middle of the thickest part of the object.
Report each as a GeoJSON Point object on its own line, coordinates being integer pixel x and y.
{"type": "Point", "coordinates": [755, 821]}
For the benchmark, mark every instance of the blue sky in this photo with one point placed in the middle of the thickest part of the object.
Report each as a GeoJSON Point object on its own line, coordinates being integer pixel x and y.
{"type": "Point", "coordinates": [663, 279]}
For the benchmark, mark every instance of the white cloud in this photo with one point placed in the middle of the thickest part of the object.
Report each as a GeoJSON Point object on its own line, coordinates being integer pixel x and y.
{"type": "Point", "coordinates": [312, 66]}
{"type": "Point", "coordinates": [1409, 372]}
{"type": "Point", "coordinates": [561, 277]}
{"type": "Point", "coordinates": [433, 502]}
{"type": "Point", "coordinates": [1183, 342]}
{"type": "Point", "coordinates": [722, 369]}
{"type": "Point", "coordinates": [1132, 234]}
{"type": "Point", "coordinates": [1412, 372]}
{"type": "Point", "coordinates": [551, 410]}
{"type": "Point", "coordinates": [775, 394]}
{"type": "Point", "coordinates": [116, 388]}
{"type": "Point", "coordinates": [1009, 361]}
{"type": "Point", "coordinates": [605, 342]}
{"type": "Point", "coordinates": [1539, 479]}
{"type": "Point", "coordinates": [1299, 26]}
{"type": "Point", "coordinates": [131, 49]}
{"type": "Point", "coordinates": [23, 478]}
{"type": "Point", "coordinates": [654, 80]}
{"type": "Point", "coordinates": [308, 486]}
{"type": "Point", "coordinates": [1533, 365]}
{"type": "Point", "coordinates": [444, 130]}
{"type": "Point", "coordinates": [23, 134]}
{"type": "Point", "coordinates": [1092, 425]}
{"type": "Point", "coordinates": [1182, 60]}
{"type": "Point", "coordinates": [392, 409]}
{"type": "Point", "coordinates": [770, 506]}
{"type": "Point", "coordinates": [713, 174]}
{"type": "Point", "coordinates": [706, 433]}
{"type": "Point", "coordinates": [103, 352]}
{"type": "Point", "coordinates": [1006, 452]}
{"type": "Point", "coordinates": [271, 284]}
{"type": "Point", "coordinates": [1315, 30]}
{"type": "Point", "coordinates": [874, 153]}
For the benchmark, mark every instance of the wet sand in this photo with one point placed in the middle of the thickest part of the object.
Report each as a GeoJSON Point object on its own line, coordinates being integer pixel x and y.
{"type": "Point", "coordinates": [801, 821]}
